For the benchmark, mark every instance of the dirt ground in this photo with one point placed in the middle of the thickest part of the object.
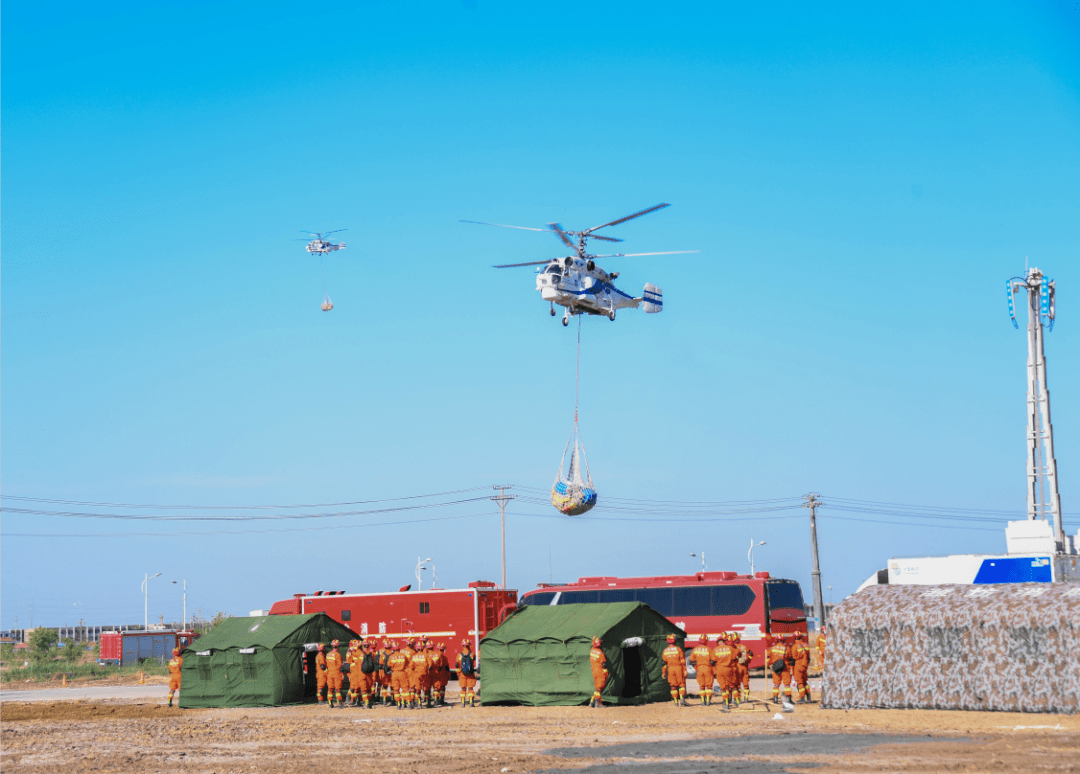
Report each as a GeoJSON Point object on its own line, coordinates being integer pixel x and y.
{"type": "Point", "coordinates": [76, 736]}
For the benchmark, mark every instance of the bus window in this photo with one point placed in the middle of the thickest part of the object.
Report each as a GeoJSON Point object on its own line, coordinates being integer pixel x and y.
{"type": "Point", "coordinates": [617, 595]}
{"type": "Point", "coordinates": [543, 598]}
{"type": "Point", "coordinates": [784, 595]}
{"type": "Point", "coordinates": [658, 599]}
{"type": "Point", "coordinates": [732, 600]}
{"type": "Point", "coordinates": [578, 597]}
{"type": "Point", "coordinates": [692, 600]}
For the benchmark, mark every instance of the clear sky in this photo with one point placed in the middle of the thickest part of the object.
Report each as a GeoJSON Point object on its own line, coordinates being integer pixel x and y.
{"type": "Point", "coordinates": [860, 181]}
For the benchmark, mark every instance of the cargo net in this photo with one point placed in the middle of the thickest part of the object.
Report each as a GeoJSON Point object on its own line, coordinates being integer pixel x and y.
{"type": "Point", "coordinates": [573, 494]}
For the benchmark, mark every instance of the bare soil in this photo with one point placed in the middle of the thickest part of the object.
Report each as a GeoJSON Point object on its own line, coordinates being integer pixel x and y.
{"type": "Point", "coordinates": [77, 736]}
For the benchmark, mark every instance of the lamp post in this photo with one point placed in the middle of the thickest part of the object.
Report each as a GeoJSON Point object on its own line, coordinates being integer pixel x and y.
{"type": "Point", "coordinates": [146, 600]}
{"type": "Point", "coordinates": [702, 560]}
{"type": "Point", "coordinates": [185, 602]}
{"type": "Point", "coordinates": [750, 553]}
{"type": "Point", "coordinates": [420, 567]}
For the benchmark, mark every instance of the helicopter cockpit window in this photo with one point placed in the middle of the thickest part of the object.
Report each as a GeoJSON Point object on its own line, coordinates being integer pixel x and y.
{"type": "Point", "coordinates": [553, 270]}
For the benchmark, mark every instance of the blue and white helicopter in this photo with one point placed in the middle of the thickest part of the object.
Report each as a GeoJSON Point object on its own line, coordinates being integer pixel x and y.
{"type": "Point", "coordinates": [577, 283]}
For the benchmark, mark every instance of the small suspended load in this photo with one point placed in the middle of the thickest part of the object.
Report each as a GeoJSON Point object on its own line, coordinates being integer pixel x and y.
{"type": "Point", "coordinates": [574, 494]}
{"type": "Point", "coordinates": [327, 304]}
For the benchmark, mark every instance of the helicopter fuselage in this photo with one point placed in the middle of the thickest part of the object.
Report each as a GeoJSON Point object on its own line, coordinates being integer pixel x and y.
{"type": "Point", "coordinates": [322, 246]}
{"type": "Point", "coordinates": [584, 288]}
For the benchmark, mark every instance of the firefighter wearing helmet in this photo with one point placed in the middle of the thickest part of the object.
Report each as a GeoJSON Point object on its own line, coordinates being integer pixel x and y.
{"type": "Point", "coordinates": [382, 674]}
{"type": "Point", "coordinates": [777, 658]}
{"type": "Point", "coordinates": [701, 658]}
{"type": "Point", "coordinates": [320, 672]}
{"type": "Point", "coordinates": [334, 677]}
{"type": "Point", "coordinates": [674, 670]}
{"type": "Point", "coordinates": [175, 663]}
{"type": "Point", "coordinates": [599, 665]}
{"type": "Point", "coordinates": [399, 677]}
{"type": "Point", "coordinates": [800, 656]}
{"type": "Point", "coordinates": [466, 669]}
{"type": "Point", "coordinates": [742, 668]}
{"type": "Point", "coordinates": [725, 657]}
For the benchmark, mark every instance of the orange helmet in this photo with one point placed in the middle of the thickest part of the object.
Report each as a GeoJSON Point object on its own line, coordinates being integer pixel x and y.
{"type": "Point", "coordinates": [822, 629]}
{"type": "Point", "coordinates": [393, 644]}
{"type": "Point", "coordinates": [798, 635]}
{"type": "Point", "coordinates": [176, 651]}
{"type": "Point", "coordinates": [596, 642]}
{"type": "Point", "coordinates": [320, 647]}
{"type": "Point", "coordinates": [465, 642]}
{"type": "Point", "coordinates": [671, 638]}
{"type": "Point", "coordinates": [735, 637]}
{"type": "Point", "coordinates": [442, 646]}
{"type": "Point", "coordinates": [334, 644]}
{"type": "Point", "coordinates": [704, 638]}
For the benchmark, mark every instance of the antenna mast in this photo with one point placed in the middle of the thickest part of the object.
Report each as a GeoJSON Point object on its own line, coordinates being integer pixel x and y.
{"type": "Point", "coordinates": [1043, 499]}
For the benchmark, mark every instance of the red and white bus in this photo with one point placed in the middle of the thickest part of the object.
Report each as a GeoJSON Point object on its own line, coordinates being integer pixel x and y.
{"type": "Point", "coordinates": [443, 615]}
{"type": "Point", "coordinates": [705, 603]}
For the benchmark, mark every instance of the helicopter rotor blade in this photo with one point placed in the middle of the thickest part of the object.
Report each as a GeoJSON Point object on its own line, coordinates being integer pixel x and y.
{"type": "Point", "coordinates": [328, 233]}
{"type": "Point", "coordinates": [557, 229]}
{"type": "Point", "coordinates": [501, 225]}
{"type": "Point", "coordinates": [628, 217]}
{"type": "Point", "coordinates": [630, 255]}
{"type": "Point", "coordinates": [605, 238]}
{"type": "Point", "coordinates": [529, 263]}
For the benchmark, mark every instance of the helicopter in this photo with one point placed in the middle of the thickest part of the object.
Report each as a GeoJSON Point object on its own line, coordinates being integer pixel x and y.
{"type": "Point", "coordinates": [320, 245]}
{"type": "Point", "coordinates": [578, 283]}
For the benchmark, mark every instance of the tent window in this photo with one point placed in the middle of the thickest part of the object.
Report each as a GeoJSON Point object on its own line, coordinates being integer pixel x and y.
{"type": "Point", "coordinates": [206, 672]}
{"type": "Point", "coordinates": [346, 615]}
{"type": "Point", "coordinates": [1028, 642]}
{"type": "Point", "coordinates": [251, 669]}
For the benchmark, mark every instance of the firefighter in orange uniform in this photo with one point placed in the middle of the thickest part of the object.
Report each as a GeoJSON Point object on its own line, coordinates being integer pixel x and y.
{"type": "Point", "coordinates": [777, 658]}
{"type": "Point", "coordinates": [399, 678]}
{"type": "Point", "coordinates": [726, 659]}
{"type": "Point", "coordinates": [701, 658]}
{"type": "Point", "coordinates": [350, 654]}
{"type": "Point", "coordinates": [599, 666]}
{"type": "Point", "coordinates": [359, 680]}
{"type": "Point", "coordinates": [742, 668]}
{"type": "Point", "coordinates": [409, 651]}
{"type": "Point", "coordinates": [466, 669]}
{"type": "Point", "coordinates": [175, 663]}
{"type": "Point", "coordinates": [383, 673]}
{"type": "Point", "coordinates": [320, 671]}
{"type": "Point", "coordinates": [419, 671]}
{"type": "Point", "coordinates": [440, 675]}
{"type": "Point", "coordinates": [674, 671]}
{"type": "Point", "coordinates": [821, 648]}
{"type": "Point", "coordinates": [800, 654]}
{"type": "Point", "coordinates": [334, 679]}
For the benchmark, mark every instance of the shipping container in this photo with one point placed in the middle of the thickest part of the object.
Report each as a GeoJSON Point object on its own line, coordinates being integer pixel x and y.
{"type": "Point", "coordinates": [127, 648]}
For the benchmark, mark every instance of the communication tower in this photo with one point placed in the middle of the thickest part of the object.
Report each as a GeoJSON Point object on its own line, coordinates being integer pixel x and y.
{"type": "Point", "coordinates": [1043, 500]}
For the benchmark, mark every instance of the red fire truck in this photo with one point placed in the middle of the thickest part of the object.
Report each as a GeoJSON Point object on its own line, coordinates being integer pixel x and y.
{"type": "Point", "coordinates": [705, 603]}
{"type": "Point", "coordinates": [444, 615]}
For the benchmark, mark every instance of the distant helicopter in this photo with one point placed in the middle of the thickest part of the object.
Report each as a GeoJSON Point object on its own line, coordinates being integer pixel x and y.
{"type": "Point", "coordinates": [320, 246]}
{"type": "Point", "coordinates": [577, 283]}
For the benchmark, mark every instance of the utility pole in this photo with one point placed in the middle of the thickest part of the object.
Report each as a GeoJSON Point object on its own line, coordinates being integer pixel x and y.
{"type": "Point", "coordinates": [1041, 463]}
{"type": "Point", "coordinates": [811, 501]}
{"type": "Point", "coordinates": [502, 499]}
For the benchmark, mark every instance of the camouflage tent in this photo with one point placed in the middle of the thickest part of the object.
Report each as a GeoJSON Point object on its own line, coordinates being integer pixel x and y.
{"type": "Point", "coordinates": [1010, 647]}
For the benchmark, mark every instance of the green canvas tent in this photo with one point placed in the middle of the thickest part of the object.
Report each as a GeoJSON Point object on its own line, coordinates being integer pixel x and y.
{"type": "Point", "coordinates": [257, 662]}
{"type": "Point", "coordinates": [540, 654]}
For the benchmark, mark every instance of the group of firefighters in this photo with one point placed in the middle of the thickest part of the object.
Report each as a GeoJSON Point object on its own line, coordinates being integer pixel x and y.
{"type": "Point", "coordinates": [727, 665]}
{"type": "Point", "coordinates": [412, 675]}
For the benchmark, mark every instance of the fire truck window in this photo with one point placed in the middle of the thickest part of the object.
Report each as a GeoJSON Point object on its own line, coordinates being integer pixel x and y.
{"type": "Point", "coordinates": [578, 597]}
{"type": "Point", "coordinates": [784, 595]}
{"type": "Point", "coordinates": [732, 600]}
{"type": "Point", "coordinates": [543, 598]}
{"type": "Point", "coordinates": [425, 607]}
{"type": "Point", "coordinates": [658, 599]}
{"type": "Point", "coordinates": [693, 600]}
{"type": "Point", "coordinates": [617, 595]}
{"type": "Point", "coordinates": [346, 615]}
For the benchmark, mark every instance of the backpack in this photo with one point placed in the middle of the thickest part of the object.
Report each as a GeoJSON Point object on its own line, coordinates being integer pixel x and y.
{"type": "Point", "coordinates": [367, 665]}
{"type": "Point", "coordinates": [467, 667]}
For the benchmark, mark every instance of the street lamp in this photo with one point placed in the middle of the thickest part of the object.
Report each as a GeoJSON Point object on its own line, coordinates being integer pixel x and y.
{"type": "Point", "coordinates": [420, 567]}
{"type": "Point", "coordinates": [146, 600]}
{"type": "Point", "coordinates": [185, 603]}
{"type": "Point", "coordinates": [750, 553]}
{"type": "Point", "coordinates": [702, 560]}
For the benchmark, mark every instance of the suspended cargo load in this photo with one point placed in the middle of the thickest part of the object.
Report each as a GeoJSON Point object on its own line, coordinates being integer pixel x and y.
{"type": "Point", "coordinates": [574, 494]}
{"type": "Point", "coordinates": [327, 304]}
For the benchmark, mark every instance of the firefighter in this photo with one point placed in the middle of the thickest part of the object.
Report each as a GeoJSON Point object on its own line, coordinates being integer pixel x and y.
{"type": "Point", "coordinates": [777, 658]}
{"type": "Point", "coordinates": [701, 658]}
{"type": "Point", "coordinates": [333, 675]}
{"type": "Point", "coordinates": [350, 655]}
{"type": "Point", "coordinates": [466, 670]}
{"type": "Point", "coordinates": [441, 675]}
{"type": "Point", "coordinates": [320, 671]}
{"type": "Point", "coordinates": [725, 657]}
{"type": "Point", "coordinates": [674, 671]}
{"type": "Point", "coordinates": [821, 648]}
{"type": "Point", "coordinates": [742, 667]}
{"type": "Point", "coordinates": [800, 657]}
{"type": "Point", "coordinates": [419, 675]}
{"type": "Point", "coordinates": [383, 673]}
{"type": "Point", "coordinates": [175, 663]}
{"type": "Point", "coordinates": [399, 678]}
{"type": "Point", "coordinates": [359, 681]}
{"type": "Point", "coordinates": [409, 650]}
{"type": "Point", "coordinates": [598, 664]}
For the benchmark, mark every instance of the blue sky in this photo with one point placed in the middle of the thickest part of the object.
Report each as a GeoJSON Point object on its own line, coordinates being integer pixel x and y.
{"type": "Point", "coordinates": [860, 183]}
